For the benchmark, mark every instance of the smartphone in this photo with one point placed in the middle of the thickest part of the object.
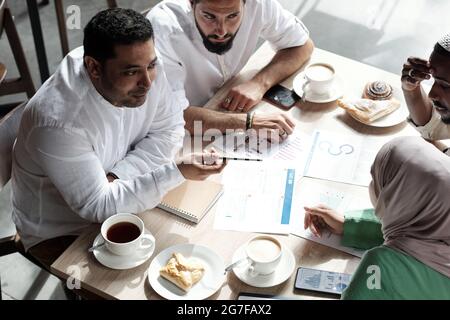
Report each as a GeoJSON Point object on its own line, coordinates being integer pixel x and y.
{"type": "Point", "coordinates": [321, 281]}
{"type": "Point", "coordinates": [281, 96]}
{"type": "Point", "coordinates": [255, 296]}
{"type": "Point", "coordinates": [262, 296]}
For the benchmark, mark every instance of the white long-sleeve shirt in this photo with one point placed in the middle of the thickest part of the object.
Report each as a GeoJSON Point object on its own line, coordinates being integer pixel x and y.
{"type": "Point", "coordinates": [434, 129]}
{"type": "Point", "coordinates": [69, 139]}
{"type": "Point", "coordinates": [196, 73]}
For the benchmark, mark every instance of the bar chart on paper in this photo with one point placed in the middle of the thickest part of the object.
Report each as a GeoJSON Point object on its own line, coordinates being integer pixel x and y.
{"type": "Point", "coordinates": [257, 198]}
{"type": "Point", "coordinates": [292, 152]}
{"type": "Point", "coordinates": [312, 193]}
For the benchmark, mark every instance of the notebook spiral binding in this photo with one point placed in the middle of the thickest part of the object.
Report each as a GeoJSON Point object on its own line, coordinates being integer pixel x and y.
{"type": "Point", "coordinates": [178, 212]}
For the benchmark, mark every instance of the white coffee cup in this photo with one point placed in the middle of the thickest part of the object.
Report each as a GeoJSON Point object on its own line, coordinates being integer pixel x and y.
{"type": "Point", "coordinates": [319, 77]}
{"type": "Point", "coordinates": [124, 234]}
{"type": "Point", "coordinates": [264, 254]}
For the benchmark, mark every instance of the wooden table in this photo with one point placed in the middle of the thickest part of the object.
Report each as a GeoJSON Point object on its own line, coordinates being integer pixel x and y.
{"type": "Point", "coordinates": [170, 230]}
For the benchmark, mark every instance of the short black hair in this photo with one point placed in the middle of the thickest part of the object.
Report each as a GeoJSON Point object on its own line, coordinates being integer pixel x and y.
{"type": "Point", "coordinates": [112, 27]}
{"type": "Point", "coordinates": [440, 50]}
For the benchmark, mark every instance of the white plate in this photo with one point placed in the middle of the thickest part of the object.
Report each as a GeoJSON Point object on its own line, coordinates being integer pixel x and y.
{"type": "Point", "coordinates": [113, 261]}
{"type": "Point", "coordinates": [211, 281]}
{"type": "Point", "coordinates": [281, 274]}
{"type": "Point", "coordinates": [335, 93]}
{"type": "Point", "coordinates": [394, 118]}
{"type": "Point", "coordinates": [390, 120]}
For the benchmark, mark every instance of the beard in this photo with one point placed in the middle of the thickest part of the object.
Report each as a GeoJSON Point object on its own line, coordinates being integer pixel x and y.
{"type": "Point", "coordinates": [445, 115]}
{"type": "Point", "coordinates": [217, 48]}
{"type": "Point", "coordinates": [445, 119]}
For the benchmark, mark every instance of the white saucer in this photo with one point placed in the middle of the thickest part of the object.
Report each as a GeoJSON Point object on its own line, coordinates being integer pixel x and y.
{"type": "Point", "coordinates": [335, 93]}
{"type": "Point", "coordinates": [211, 281]}
{"type": "Point", "coordinates": [281, 274]}
{"type": "Point", "coordinates": [113, 261]}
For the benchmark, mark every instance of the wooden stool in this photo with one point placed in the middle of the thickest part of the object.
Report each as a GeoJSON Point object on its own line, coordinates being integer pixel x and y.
{"type": "Point", "coordinates": [24, 83]}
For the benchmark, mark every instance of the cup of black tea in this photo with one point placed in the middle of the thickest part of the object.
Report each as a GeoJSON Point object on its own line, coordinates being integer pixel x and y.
{"type": "Point", "coordinates": [124, 234]}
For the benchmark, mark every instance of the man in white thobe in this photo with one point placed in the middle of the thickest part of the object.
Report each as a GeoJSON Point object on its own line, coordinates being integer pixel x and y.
{"type": "Point", "coordinates": [204, 43]}
{"type": "Point", "coordinates": [98, 138]}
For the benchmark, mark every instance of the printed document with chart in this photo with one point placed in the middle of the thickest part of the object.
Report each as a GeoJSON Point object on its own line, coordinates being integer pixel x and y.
{"type": "Point", "coordinates": [341, 157]}
{"type": "Point", "coordinates": [313, 192]}
{"type": "Point", "coordinates": [293, 152]}
{"type": "Point", "coordinates": [257, 198]}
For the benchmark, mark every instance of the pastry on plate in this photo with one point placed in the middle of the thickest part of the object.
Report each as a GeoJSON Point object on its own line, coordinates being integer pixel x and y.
{"type": "Point", "coordinates": [182, 272]}
{"type": "Point", "coordinates": [366, 110]}
{"type": "Point", "coordinates": [378, 90]}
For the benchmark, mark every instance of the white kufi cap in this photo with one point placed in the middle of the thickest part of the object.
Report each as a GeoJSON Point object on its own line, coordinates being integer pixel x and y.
{"type": "Point", "coordinates": [445, 42]}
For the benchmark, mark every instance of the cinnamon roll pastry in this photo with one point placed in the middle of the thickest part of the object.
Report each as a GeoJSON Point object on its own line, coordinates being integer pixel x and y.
{"type": "Point", "coordinates": [378, 90]}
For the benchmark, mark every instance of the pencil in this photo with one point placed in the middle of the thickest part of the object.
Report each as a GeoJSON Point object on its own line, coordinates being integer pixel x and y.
{"type": "Point", "coordinates": [240, 159]}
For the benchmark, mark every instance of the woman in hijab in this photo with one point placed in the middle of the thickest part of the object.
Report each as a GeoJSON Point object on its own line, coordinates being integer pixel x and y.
{"type": "Point", "coordinates": [408, 229]}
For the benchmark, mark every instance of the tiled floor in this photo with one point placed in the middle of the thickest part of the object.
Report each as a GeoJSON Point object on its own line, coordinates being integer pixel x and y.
{"type": "Point", "coordinates": [382, 33]}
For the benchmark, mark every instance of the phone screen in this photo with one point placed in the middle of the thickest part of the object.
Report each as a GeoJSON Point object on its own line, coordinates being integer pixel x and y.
{"type": "Point", "coordinates": [262, 296]}
{"type": "Point", "coordinates": [255, 296]}
{"type": "Point", "coordinates": [322, 281]}
{"type": "Point", "coordinates": [281, 96]}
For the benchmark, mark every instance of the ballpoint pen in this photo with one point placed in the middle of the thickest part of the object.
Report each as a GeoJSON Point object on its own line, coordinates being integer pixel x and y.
{"type": "Point", "coordinates": [240, 159]}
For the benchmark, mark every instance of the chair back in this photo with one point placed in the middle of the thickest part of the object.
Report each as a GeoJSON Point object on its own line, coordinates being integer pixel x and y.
{"type": "Point", "coordinates": [9, 127]}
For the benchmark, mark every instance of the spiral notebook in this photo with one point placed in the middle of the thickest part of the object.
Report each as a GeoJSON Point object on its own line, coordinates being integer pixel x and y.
{"type": "Point", "coordinates": [192, 199]}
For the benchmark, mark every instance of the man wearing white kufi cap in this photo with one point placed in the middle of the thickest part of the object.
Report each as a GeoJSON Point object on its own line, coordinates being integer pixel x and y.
{"type": "Point", "coordinates": [429, 114]}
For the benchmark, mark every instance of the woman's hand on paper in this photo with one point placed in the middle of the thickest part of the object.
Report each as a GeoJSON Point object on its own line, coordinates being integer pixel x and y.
{"type": "Point", "coordinates": [199, 166]}
{"type": "Point", "coordinates": [321, 218]}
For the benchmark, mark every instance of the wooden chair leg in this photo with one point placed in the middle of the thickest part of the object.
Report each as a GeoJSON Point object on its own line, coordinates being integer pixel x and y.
{"type": "Point", "coordinates": [112, 3]}
{"type": "Point", "coordinates": [59, 7]}
{"type": "Point", "coordinates": [18, 53]}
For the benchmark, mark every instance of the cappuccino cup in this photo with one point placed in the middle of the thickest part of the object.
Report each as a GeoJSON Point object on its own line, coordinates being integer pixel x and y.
{"type": "Point", "coordinates": [124, 234]}
{"type": "Point", "coordinates": [263, 254]}
{"type": "Point", "coordinates": [319, 77]}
